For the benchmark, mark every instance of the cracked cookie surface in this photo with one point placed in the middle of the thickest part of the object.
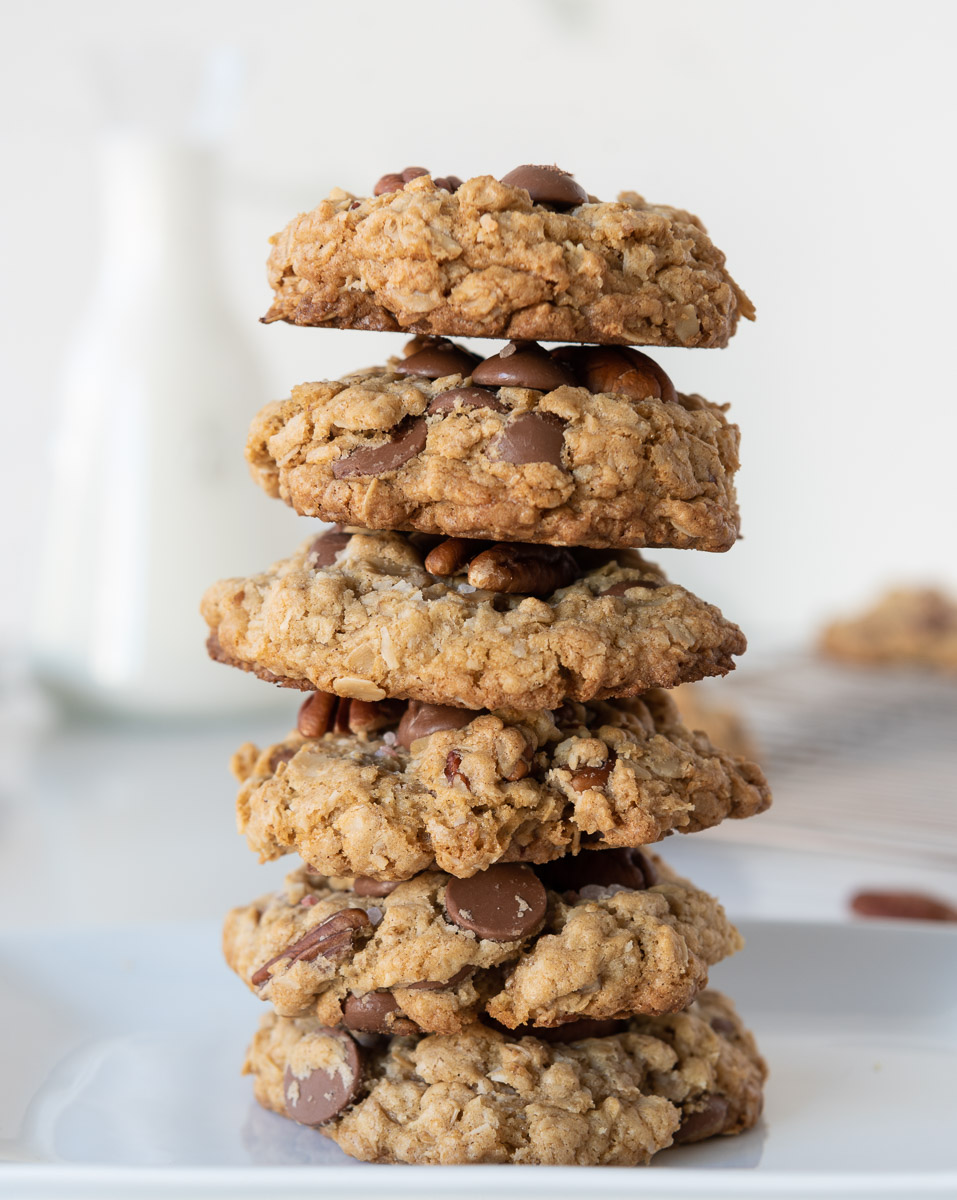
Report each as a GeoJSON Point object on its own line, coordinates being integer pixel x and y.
{"type": "Point", "coordinates": [594, 949]}
{"type": "Point", "coordinates": [374, 622]}
{"type": "Point", "coordinates": [630, 472]}
{"type": "Point", "coordinates": [483, 1097]}
{"type": "Point", "coordinates": [526, 786]}
{"type": "Point", "coordinates": [484, 261]}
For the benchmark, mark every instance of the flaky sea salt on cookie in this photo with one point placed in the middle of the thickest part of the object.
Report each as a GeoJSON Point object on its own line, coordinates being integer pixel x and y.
{"type": "Point", "coordinates": [370, 615]}
{"type": "Point", "coordinates": [529, 256]}
{"type": "Point", "coordinates": [579, 446]}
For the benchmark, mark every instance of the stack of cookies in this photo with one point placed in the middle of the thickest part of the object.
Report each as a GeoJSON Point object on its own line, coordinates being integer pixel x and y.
{"type": "Point", "coordinates": [476, 957]}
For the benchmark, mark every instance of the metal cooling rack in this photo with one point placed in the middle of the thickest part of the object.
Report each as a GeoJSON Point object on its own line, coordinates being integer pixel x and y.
{"type": "Point", "coordinates": [859, 760]}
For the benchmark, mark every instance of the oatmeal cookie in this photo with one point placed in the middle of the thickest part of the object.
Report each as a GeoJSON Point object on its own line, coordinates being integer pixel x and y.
{"type": "Point", "coordinates": [598, 936]}
{"type": "Point", "coordinates": [370, 615]}
{"type": "Point", "coordinates": [481, 1096]}
{"type": "Point", "coordinates": [593, 449]}
{"type": "Point", "coordinates": [907, 626]}
{"type": "Point", "coordinates": [391, 788]}
{"type": "Point", "coordinates": [499, 259]}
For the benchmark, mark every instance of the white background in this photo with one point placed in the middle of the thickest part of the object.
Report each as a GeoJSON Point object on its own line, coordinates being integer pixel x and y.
{"type": "Point", "coordinates": [815, 140]}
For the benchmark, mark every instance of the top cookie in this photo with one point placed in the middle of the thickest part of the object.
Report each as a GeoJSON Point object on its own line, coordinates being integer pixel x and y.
{"type": "Point", "coordinates": [509, 259]}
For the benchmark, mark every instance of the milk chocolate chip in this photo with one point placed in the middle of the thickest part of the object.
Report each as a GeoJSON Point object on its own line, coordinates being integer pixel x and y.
{"type": "Point", "coordinates": [364, 885]}
{"type": "Point", "coordinates": [503, 903]}
{"type": "Point", "coordinates": [327, 545]}
{"type": "Point", "coordinates": [376, 1012]}
{"type": "Point", "coordinates": [333, 939]}
{"type": "Point", "coordinates": [473, 397]}
{"type": "Point", "coordinates": [627, 867]}
{"type": "Point", "coordinates": [324, 1093]}
{"type": "Point", "coordinates": [523, 364]}
{"type": "Point", "coordinates": [704, 1122]}
{"type": "Point", "coordinates": [531, 437]}
{"type": "Point", "coordinates": [422, 720]}
{"type": "Point", "coordinates": [406, 443]}
{"type": "Point", "coordinates": [547, 185]}
{"type": "Point", "coordinates": [617, 369]}
{"type": "Point", "coordinates": [437, 361]}
{"type": "Point", "coordinates": [441, 985]}
{"type": "Point", "coordinates": [395, 181]}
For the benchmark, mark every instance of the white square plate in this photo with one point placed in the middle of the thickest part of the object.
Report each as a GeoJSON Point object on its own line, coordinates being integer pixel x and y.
{"type": "Point", "coordinates": [121, 1050]}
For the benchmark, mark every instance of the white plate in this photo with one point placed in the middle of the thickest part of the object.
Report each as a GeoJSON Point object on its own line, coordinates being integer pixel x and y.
{"type": "Point", "coordinates": [121, 1051]}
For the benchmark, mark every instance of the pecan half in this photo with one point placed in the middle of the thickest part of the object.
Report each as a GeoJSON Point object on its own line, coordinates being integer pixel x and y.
{"type": "Point", "coordinates": [530, 569]}
{"type": "Point", "coordinates": [449, 555]}
{"type": "Point", "coordinates": [334, 939]}
{"type": "Point", "coordinates": [316, 714]}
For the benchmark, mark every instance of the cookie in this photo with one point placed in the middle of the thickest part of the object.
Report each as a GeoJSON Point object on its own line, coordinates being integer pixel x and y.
{"type": "Point", "coordinates": [906, 627]}
{"type": "Point", "coordinates": [373, 615]}
{"type": "Point", "coordinates": [481, 1096]}
{"type": "Point", "coordinates": [502, 259]}
{"type": "Point", "coordinates": [598, 936]}
{"type": "Point", "coordinates": [391, 788]}
{"type": "Point", "coordinates": [591, 449]}
{"type": "Point", "coordinates": [720, 723]}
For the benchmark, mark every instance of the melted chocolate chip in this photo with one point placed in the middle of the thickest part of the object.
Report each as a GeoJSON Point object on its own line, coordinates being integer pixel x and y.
{"type": "Point", "coordinates": [327, 545]}
{"type": "Point", "coordinates": [627, 868]}
{"type": "Point", "coordinates": [406, 443]}
{"type": "Point", "coordinates": [705, 1121]}
{"type": "Point", "coordinates": [501, 904]}
{"type": "Point", "coordinates": [437, 361]}
{"type": "Point", "coordinates": [376, 1012]}
{"type": "Point", "coordinates": [422, 720]}
{"type": "Point", "coordinates": [523, 364]}
{"type": "Point", "coordinates": [324, 1093]}
{"type": "Point", "coordinates": [441, 985]}
{"type": "Point", "coordinates": [363, 885]}
{"type": "Point", "coordinates": [462, 398]}
{"type": "Point", "coordinates": [547, 185]}
{"type": "Point", "coordinates": [531, 437]}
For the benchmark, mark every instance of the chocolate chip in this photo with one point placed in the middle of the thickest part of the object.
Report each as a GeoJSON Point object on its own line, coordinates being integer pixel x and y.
{"type": "Point", "coordinates": [547, 185]}
{"type": "Point", "coordinates": [395, 181]}
{"type": "Point", "coordinates": [523, 568]}
{"type": "Point", "coordinates": [703, 1122]}
{"type": "Point", "coordinates": [364, 885]}
{"type": "Point", "coordinates": [587, 778]}
{"type": "Point", "coordinates": [617, 369]}
{"type": "Point", "coordinates": [333, 939]}
{"type": "Point", "coordinates": [283, 755]}
{"type": "Point", "coordinates": [437, 361]}
{"type": "Point", "coordinates": [327, 545]}
{"type": "Point", "coordinates": [451, 183]}
{"type": "Point", "coordinates": [315, 715]}
{"type": "Point", "coordinates": [523, 364]}
{"type": "Point", "coordinates": [410, 173]}
{"type": "Point", "coordinates": [531, 437]}
{"type": "Point", "coordinates": [571, 1031]}
{"type": "Point", "coordinates": [324, 1093]}
{"type": "Point", "coordinates": [619, 589]}
{"type": "Point", "coordinates": [376, 1012]}
{"type": "Point", "coordinates": [464, 398]}
{"type": "Point", "coordinates": [501, 904]}
{"type": "Point", "coordinates": [422, 720]}
{"type": "Point", "coordinates": [441, 985]}
{"type": "Point", "coordinates": [906, 906]}
{"type": "Point", "coordinates": [723, 1026]}
{"type": "Point", "coordinates": [626, 867]}
{"type": "Point", "coordinates": [406, 443]}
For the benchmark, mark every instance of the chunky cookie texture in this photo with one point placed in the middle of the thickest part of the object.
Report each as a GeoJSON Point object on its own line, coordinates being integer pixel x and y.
{"type": "Point", "coordinates": [598, 937]}
{"type": "Point", "coordinates": [485, 260]}
{"type": "Point", "coordinates": [514, 625]}
{"type": "Point", "coordinates": [619, 465]}
{"type": "Point", "coordinates": [404, 788]}
{"type": "Point", "coordinates": [907, 626]}
{"type": "Point", "coordinates": [481, 1096]}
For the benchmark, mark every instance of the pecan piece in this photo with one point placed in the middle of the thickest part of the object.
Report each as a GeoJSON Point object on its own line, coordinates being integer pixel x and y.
{"type": "Point", "coordinates": [315, 715]}
{"type": "Point", "coordinates": [586, 778]}
{"type": "Point", "coordinates": [449, 555]}
{"type": "Point", "coordinates": [529, 569]}
{"type": "Point", "coordinates": [365, 716]}
{"type": "Point", "coordinates": [334, 939]}
{"type": "Point", "coordinates": [453, 761]}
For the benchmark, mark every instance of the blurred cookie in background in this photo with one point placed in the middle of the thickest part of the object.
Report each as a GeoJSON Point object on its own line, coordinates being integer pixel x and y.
{"type": "Point", "coordinates": [915, 626]}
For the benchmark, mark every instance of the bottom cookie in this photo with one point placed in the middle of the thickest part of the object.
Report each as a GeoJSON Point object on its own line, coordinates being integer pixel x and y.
{"type": "Point", "coordinates": [616, 1096]}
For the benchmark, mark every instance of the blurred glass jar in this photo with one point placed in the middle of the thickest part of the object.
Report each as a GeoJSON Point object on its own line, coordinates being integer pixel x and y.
{"type": "Point", "coordinates": [150, 498]}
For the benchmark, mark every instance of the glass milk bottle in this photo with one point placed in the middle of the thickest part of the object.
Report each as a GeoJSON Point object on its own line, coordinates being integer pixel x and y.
{"type": "Point", "coordinates": [150, 498]}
